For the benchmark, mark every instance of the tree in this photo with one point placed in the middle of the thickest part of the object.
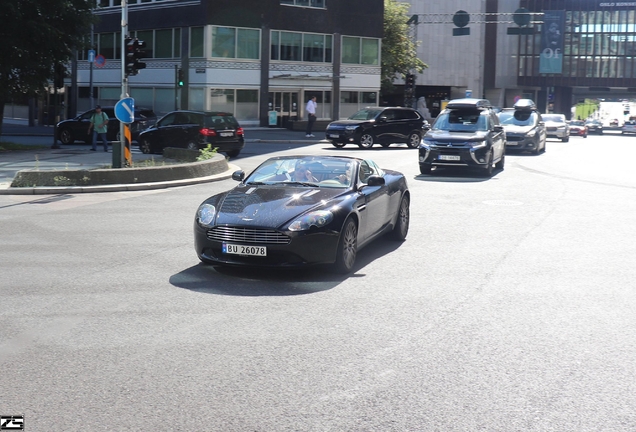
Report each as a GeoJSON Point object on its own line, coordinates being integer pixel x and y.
{"type": "Point", "coordinates": [36, 35]}
{"type": "Point", "coordinates": [399, 51]}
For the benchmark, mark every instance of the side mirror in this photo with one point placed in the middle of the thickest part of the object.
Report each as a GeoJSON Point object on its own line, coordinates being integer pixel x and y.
{"type": "Point", "coordinates": [498, 128]}
{"type": "Point", "coordinates": [381, 119]}
{"type": "Point", "coordinates": [375, 180]}
{"type": "Point", "coordinates": [238, 175]}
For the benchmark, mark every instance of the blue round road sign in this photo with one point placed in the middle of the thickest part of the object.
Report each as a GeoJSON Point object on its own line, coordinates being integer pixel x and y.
{"type": "Point", "coordinates": [125, 110]}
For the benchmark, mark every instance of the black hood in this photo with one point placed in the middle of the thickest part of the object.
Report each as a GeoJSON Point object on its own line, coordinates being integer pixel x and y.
{"type": "Point", "coordinates": [271, 206]}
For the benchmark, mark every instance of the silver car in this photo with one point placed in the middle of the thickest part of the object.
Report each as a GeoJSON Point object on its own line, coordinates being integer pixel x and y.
{"type": "Point", "coordinates": [556, 126]}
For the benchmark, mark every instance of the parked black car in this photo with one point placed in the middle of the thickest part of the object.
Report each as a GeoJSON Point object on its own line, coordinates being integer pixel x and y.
{"type": "Point", "coordinates": [76, 129]}
{"type": "Point", "coordinates": [524, 127]}
{"type": "Point", "coordinates": [194, 130]}
{"type": "Point", "coordinates": [382, 125]}
{"type": "Point", "coordinates": [465, 134]}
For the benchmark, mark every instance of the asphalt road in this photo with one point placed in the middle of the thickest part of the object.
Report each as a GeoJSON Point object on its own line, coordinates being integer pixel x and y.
{"type": "Point", "coordinates": [510, 307]}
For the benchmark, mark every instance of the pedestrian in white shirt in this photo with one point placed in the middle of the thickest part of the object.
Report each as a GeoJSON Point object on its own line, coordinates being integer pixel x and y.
{"type": "Point", "coordinates": [311, 113]}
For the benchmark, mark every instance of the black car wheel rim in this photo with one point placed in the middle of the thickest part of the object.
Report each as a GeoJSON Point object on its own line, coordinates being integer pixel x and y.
{"type": "Point", "coordinates": [65, 136]}
{"type": "Point", "coordinates": [349, 242]}
{"type": "Point", "coordinates": [403, 217]}
{"type": "Point", "coordinates": [414, 141]}
{"type": "Point", "coordinates": [145, 146]}
{"type": "Point", "coordinates": [366, 141]}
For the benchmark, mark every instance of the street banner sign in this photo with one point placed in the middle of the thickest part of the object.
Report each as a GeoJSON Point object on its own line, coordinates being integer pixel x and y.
{"type": "Point", "coordinates": [125, 110]}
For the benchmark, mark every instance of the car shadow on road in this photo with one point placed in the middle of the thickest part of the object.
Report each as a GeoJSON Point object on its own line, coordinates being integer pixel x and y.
{"type": "Point", "coordinates": [455, 175]}
{"type": "Point", "coordinates": [254, 282]}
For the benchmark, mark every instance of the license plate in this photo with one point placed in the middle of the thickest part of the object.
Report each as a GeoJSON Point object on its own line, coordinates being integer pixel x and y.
{"type": "Point", "coordinates": [235, 249]}
{"type": "Point", "coordinates": [448, 157]}
{"type": "Point", "coordinates": [227, 134]}
{"type": "Point", "coordinates": [334, 136]}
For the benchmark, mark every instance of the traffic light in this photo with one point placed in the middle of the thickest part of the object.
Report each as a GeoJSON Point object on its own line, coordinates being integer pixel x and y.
{"type": "Point", "coordinates": [409, 81]}
{"type": "Point", "coordinates": [59, 74]}
{"type": "Point", "coordinates": [180, 77]}
{"type": "Point", "coordinates": [134, 53]}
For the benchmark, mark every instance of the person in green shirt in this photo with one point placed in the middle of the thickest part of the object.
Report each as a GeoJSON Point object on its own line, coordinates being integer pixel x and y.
{"type": "Point", "coordinates": [99, 127]}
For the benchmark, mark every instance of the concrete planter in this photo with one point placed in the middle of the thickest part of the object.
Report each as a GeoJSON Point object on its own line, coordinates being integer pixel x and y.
{"type": "Point", "coordinates": [114, 176]}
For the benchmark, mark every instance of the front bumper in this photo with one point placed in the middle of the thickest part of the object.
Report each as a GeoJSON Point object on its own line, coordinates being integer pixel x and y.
{"type": "Point", "coordinates": [303, 248]}
{"type": "Point", "coordinates": [341, 135]}
{"type": "Point", "coordinates": [557, 132]}
{"type": "Point", "coordinates": [454, 154]}
{"type": "Point", "coordinates": [521, 142]}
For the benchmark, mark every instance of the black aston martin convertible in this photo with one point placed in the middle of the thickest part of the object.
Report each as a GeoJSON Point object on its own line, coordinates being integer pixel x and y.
{"type": "Point", "coordinates": [301, 210]}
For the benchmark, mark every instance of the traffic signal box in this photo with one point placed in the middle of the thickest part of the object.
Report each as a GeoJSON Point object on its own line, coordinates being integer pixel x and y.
{"type": "Point", "coordinates": [180, 77]}
{"type": "Point", "coordinates": [134, 53]}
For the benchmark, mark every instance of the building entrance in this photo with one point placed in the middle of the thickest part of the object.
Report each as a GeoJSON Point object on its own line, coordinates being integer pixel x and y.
{"type": "Point", "coordinates": [285, 103]}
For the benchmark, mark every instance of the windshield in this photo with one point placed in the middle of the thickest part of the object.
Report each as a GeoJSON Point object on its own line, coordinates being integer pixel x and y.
{"type": "Point", "coordinates": [518, 118]}
{"type": "Point", "coordinates": [461, 121]}
{"type": "Point", "coordinates": [577, 123]}
{"type": "Point", "coordinates": [332, 172]}
{"type": "Point", "coordinates": [553, 118]}
{"type": "Point", "coordinates": [366, 114]}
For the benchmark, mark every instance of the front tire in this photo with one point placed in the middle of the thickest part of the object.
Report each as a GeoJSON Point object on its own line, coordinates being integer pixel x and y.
{"type": "Point", "coordinates": [347, 247]}
{"type": "Point", "coordinates": [489, 169]}
{"type": "Point", "coordinates": [366, 140]}
{"type": "Point", "coordinates": [233, 153]}
{"type": "Point", "coordinates": [566, 139]}
{"type": "Point", "coordinates": [145, 146]}
{"type": "Point", "coordinates": [338, 144]}
{"type": "Point", "coordinates": [502, 162]}
{"type": "Point", "coordinates": [425, 169]}
{"type": "Point", "coordinates": [414, 140]}
{"type": "Point", "coordinates": [401, 228]}
{"type": "Point", "coordinates": [66, 136]}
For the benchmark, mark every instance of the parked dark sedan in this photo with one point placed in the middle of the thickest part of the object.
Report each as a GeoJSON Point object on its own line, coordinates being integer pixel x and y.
{"type": "Point", "coordinates": [76, 129]}
{"type": "Point", "coordinates": [300, 210]}
{"type": "Point", "coordinates": [382, 125]}
{"type": "Point", "coordinates": [194, 130]}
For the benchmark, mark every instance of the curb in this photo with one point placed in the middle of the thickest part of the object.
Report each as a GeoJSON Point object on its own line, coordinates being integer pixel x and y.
{"type": "Point", "coordinates": [56, 190]}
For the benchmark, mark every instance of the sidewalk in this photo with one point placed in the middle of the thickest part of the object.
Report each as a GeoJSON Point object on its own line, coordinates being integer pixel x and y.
{"type": "Point", "coordinates": [78, 157]}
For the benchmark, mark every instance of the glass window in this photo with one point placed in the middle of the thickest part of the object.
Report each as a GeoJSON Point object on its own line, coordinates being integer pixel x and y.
{"type": "Point", "coordinates": [275, 45]}
{"type": "Point", "coordinates": [248, 44]}
{"type": "Point", "coordinates": [247, 104]}
{"type": "Point", "coordinates": [290, 46]}
{"type": "Point", "coordinates": [222, 100]}
{"type": "Point", "coordinates": [163, 44]}
{"type": "Point", "coordinates": [313, 48]}
{"type": "Point", "coordinates": [350, 49]}
{"type": "Point", "coordinates": [196, 42]}
{"type": "Point", "coordinates": [177, 43]}
{"type": "Point", "coordinates": [197, 99]}
{"type": "Point", "coordinates": [223, 42]}
{"type": "Point", "coordinates": [148, 37]}
{"type": "Point", "coordinates": [370, 51]}
{"type": "Point", "coordinates": [369, 98]}
{"type": "Point", "coordinates": [328, 48]}
{"type": "Point", "coordinates": [107, 45]}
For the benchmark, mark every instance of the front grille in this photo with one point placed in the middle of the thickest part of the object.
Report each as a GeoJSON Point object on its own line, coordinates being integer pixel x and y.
{"type": "Point", "coordinates": [247, 235]}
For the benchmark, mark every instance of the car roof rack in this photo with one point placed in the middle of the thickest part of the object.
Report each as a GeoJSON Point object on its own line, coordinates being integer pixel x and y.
{"type": "Point", "coordinates": [525, 104]}
{"type": "Point", "coordinates": [469, 103]}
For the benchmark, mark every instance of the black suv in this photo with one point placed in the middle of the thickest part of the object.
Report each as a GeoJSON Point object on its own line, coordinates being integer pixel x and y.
{"type": "Point", "coordinates": [76, 129]}
{"type": "Point", "coordinates": [465, 134]}
{"type": "Point", "coordinates": [524, 127]}
{"type": "Point", "coordinates": [194, 130]}
{"type": "Point", "coordinates": [382, 125]}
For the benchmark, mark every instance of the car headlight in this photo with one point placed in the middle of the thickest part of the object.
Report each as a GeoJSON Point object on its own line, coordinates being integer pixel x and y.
{"type": "Point", "coordinates": [317, 218]}
{"type": "Point", "coordinates": [206, 214]}
{"type": "Point", "coordinates": [532, 133]}
{"type": "Point", "coordinates": [351, 128]}
{"type": "Point", "coordinates": [427, 144]}
{"type": "Point", "coordinates": [478, 144]}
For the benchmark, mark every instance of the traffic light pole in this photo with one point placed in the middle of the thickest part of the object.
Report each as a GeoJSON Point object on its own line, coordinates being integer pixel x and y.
{"type": "Point", "coordinates": [118, 147]}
